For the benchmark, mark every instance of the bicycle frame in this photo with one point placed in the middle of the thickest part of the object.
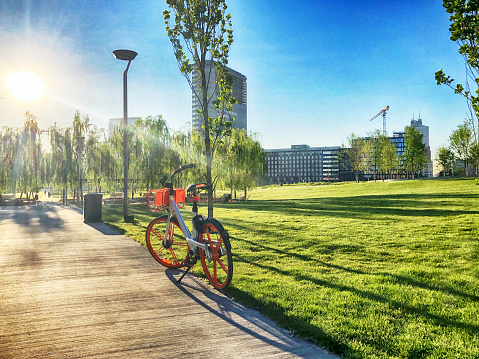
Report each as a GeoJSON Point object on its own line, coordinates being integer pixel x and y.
{"type": "Point", "coordinates": [191, 239]}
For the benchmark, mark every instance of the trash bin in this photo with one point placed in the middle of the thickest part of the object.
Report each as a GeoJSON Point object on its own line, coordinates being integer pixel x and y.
{"type": "Point", "coordinates": [92, 207]}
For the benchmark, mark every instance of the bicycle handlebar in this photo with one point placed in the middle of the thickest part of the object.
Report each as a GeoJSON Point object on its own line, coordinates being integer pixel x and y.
{"type": "Point", "coordinates": [178, 170]}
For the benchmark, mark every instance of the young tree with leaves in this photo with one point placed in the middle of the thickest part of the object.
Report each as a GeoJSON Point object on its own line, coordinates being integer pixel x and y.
{"type": "Point", "coordinates": [356, 154]}
{"type": "Point", "coordinates": [464, 17]}
{"type": "Point", "coordinates": [376, 144]}
{"type": "Point", "coordinates": [201, 35]}
{"type": "Point", "coordinates": [445, 158]}
{"type": "Point", "coordinates": [414, 157]}
{"type": "Point", "coordinates": [461, 142]}
{"type": "Point", "coordinates": [389, 157]}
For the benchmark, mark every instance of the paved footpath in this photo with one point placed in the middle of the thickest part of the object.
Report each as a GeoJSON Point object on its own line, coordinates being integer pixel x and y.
{"type": "Point", "coordinates": [73, 290]}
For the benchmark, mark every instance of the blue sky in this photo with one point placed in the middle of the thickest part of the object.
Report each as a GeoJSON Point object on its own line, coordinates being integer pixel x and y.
{"type": "Point", "coordinates": [317, 70]}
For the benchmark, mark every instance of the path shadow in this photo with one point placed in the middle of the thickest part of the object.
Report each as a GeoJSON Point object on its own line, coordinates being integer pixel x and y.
{"type": "Point", "coordinates": [104, 229]}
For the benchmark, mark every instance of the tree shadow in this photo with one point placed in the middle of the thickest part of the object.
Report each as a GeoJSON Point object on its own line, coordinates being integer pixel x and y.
{"type": "Point", "coordinates": [38, 218]}
{"type": "Point", "coordinates": [245, 319]}
{"type": "Point", "coordinates": [399, 279]}
{"type": "Point", "coordinates": [418, 205]}
{"type": "Point", "coordinates": [472, 329]}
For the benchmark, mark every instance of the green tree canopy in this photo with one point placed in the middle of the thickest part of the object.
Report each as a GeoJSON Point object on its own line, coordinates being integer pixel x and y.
{"type": "Point", "coordinates": [445, 158]}
{"type": "Point", "coordinates": [464, 17]}
{"type": "Point", "coordinates": [414, 157]}
{"type": "Point", "coordinates": [357, 154]}
{"type": "Point", "coordinates": [201, 34]}
{"type": "Point", "coordinates": [461, 142]}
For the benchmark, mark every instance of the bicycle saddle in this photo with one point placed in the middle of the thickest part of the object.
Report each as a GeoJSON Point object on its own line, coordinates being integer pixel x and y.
{"type": "Point", "coordinates": [198, 186]}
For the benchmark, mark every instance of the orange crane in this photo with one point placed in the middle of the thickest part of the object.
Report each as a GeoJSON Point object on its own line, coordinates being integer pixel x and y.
{"type": "Point", "coordinates": [382, 112]}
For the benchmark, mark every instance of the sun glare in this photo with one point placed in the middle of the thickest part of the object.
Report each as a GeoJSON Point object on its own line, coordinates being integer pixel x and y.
{"type": "Point", "coordinates": [25, 86]}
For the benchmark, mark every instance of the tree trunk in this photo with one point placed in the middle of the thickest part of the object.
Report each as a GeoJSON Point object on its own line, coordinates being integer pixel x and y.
{"type": "Point", "coordinates": [204, 90]}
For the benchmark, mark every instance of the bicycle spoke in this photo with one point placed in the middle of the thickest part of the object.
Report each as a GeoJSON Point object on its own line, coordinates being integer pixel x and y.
{"type": "Point", "coordinates": [222, 265]}
{"type": "Point", "coordinates": [218, 270]}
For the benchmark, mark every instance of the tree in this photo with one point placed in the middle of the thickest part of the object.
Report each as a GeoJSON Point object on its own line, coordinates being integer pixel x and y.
{"type": "Point", "coordinates": [154, 157]}
{"type": "Point", "coordinates": [9, 138]}
{"type": "Point", "coordinates": [244, 161]}
{"type": "Point", "coordinates": [376, 144]}
{"type": "Point", "coordinates": [465, 32]}
{"type": "Point", "coordinates": [462, 142]}
{"type": "Point", "coordinates": [356, 154]}
{"type": "Point", "coordinates": [93, 156]}
{"type": "Point", "coordinates": [29, 158]}
{"type": "Point", "coordinates": [389, 157]}
{"type": "Point", "coordinates": [445, 158]}
{"type": "Point", "coordinates": [474, 156]}
{"type": "Point", "coordinates": [414, 156]}
{"type": "Point", "coordinates": [201, 35]}
{"type": "Point", "coordinates": [80, 128]}
{"type": "Point", "coordinates": [62, 157]}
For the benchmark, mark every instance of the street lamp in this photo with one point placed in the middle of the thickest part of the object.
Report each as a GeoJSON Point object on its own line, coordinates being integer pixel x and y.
{"type": "Point", "coordinates": [125, 55]}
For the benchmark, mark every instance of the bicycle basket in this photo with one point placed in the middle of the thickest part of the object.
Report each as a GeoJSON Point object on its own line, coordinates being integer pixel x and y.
{"type": "Point", "coordinates": [158, 199]}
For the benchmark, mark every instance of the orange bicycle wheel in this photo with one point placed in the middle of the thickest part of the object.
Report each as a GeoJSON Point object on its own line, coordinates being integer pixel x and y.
{"type": "Point", "coordinates": [216, 260]}
{"type": "Point", "coordinates": [172, 252]}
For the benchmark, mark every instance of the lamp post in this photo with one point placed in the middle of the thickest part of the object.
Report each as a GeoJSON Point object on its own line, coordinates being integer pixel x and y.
{"type": "Point", "coordinates": [125, 55]}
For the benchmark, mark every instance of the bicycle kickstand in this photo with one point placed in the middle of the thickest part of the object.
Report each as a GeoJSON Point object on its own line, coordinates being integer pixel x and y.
{"type": "Point", "coordinates": [182, 276]}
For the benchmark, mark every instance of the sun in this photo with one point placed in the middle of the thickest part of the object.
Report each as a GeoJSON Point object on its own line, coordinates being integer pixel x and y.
{"type": "Point", "coordinates": [25, 86]}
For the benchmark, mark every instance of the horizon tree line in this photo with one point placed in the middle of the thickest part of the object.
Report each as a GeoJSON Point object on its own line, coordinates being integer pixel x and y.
{"type": "Point", "coordinates": [84, 152]}
{"type": "Point", "coordinates": [377, 156]}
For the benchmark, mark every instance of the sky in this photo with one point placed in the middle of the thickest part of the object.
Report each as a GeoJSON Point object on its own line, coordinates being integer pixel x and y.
{"type": "Point", "coordinates": [317, 70]}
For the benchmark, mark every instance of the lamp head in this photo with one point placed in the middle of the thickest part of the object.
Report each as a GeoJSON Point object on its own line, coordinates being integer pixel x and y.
{"type": "Point", "coordinates": [126, 55]}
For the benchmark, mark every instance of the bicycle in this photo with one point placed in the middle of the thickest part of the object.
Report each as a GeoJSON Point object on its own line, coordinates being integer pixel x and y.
{"type": "Point", "coordinates": [172, 244]}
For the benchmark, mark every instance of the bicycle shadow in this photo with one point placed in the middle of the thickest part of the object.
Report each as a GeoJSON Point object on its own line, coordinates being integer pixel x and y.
{"type": "Point", "coordinates": [247, 320]}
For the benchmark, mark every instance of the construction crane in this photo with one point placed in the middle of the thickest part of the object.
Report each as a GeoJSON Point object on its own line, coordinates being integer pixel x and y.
{"type": "Point", "coordinates": [382, 112]}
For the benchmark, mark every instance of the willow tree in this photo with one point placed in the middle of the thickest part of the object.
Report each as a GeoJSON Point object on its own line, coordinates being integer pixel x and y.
{"type": "Point", "coordinates": [26, 171]}
{"type": "Point", "coordinates": [62, 158]}
{"type": "Point", "coordinates": [9, 146]}
{"type": "Point", "coordinates": [201, 34]}
{"type": "Point", "coordinates": [151, 153]}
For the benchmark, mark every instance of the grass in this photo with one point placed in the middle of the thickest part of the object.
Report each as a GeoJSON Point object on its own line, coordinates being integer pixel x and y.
{"type": "Point", "coordinates": [368, 270]}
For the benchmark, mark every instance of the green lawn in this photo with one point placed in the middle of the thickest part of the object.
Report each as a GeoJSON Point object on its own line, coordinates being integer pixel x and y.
{"type": "Point", "coordinates": [368, 270]}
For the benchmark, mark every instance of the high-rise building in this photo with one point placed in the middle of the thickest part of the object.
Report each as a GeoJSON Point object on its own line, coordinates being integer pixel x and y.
{"type": "Point", "coordinates": [239, 112]}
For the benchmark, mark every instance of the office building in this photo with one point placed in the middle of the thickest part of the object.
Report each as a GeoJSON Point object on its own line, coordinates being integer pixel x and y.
{"type": "Point", "coordinates": [239, 112]}
{"type": "Point", "coordinates": [302, 163]}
